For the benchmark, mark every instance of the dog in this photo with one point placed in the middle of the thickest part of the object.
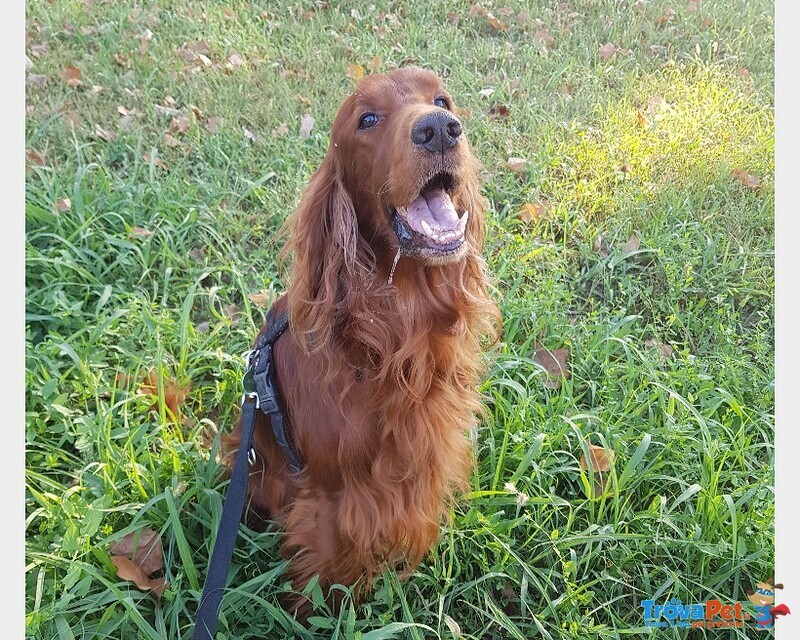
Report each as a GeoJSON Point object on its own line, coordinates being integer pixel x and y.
{"type": "Point", "coordinates": [390, 313]}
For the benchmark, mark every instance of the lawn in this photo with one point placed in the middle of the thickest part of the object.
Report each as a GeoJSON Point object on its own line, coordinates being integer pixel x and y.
{"type": "Point", "coordinates": [628, 159]}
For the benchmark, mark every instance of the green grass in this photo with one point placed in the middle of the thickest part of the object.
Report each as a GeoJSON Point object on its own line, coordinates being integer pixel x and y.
{"type": "Point", "coordinates": [533, 551]}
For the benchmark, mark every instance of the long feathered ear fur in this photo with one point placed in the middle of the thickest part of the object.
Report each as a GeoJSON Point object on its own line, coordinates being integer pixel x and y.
{"type": "Point", "coordinates": [323, 238]}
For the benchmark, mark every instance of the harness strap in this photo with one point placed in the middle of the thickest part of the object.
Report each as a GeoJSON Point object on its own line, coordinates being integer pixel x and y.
{"type": "Point", "coordinates": [266, 386]}
{"type": "Point", "coordinates": [260, 392]}
{"type": "Point", "coordinates": [206, 625]}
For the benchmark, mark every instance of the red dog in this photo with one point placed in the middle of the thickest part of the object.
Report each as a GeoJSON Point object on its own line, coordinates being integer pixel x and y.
{"type": "Point", "coordinates": [389, 313]}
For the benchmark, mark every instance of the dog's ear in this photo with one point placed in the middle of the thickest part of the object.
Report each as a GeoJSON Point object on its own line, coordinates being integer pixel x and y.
{"type": "Point", "coordinates": [323, 238]}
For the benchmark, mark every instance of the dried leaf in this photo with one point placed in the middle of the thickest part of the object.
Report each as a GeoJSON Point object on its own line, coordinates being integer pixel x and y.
{"type": "Point", "coordinates": [354, 71]}
{"type": "Point", "coordinates": [477, 10]}
{"type": "Point", "coordinates": [306, 125]}
{"type": "Point", "coordinates": [140, 232]}
{"type": "Point", "coordinates": [263, 298]}
{"type": "Point", "coordinates": [105, 134]}
{"type": "Point", "coordinates": [665, 351]}
{"type": "Point", "coordinates": [38, 50]}
{"type": "Point", "coordinates": [252, 137]}
{"type": "Point", "coordinates": [374, 64]}
{"type": "Point", "coordinates": [128, 570]}
{"type": "Point", "coordinates": [601, 247]}
{"type": "Point", "coordinates": [631, 245]}
{"type": "Point", "coordinates": [638, 6]}
{"type": "Point", "coordinates": [656, 105]}
{"type": "Point", "coordinates": [170, 141]}
{"type": "Point", "coordinates": [71, 75]}
{"type": "Point", "coordinates": [234, 61]}
{"type": "Point", "coordinates": [543, 37]}
{"type": "Point", "coordinates": [749, 180]}
{"type": "Point", "coordinates": [35, 158]}
{"type": "Point", "coordinates": [158, 161]}
{"type": "Point", "coordinates": [517, 165]}
{"type": "Point", "coordinates": [692, 6]}
{"type": "Point", "coordinates": [143, 547]}
{"type": "Point", "coordinates": [37, 80]}
{"type": "Point", "coordinates": [496, 24]}
{"type": "Point", "coordinates": [607, 50]}
{"type": "Point", "coordinates": [486, 92]}
{"type": "Point", "coordinates": [212, 124]}
{"type": "Point", "coordinates": [64, 204]}
{"type": "Point", "coordinates": [499, 110]}
{"type": "Point", "coordinates": [174, 393]}
{"type": "Point", "coordinates": [534, 211]}
{"type": "Point", "coordinates": [641, 120]}
{"type": "Point", "coordinates": [601, 458]}
{"type": "Point", "coordinates": [179, 125]}
{"type": "Point", "coordinates": [72, 118]}
{"type": "Point", "coordinates": [554, 363]}
{"type": "Point", "coordinates": [281, 130]}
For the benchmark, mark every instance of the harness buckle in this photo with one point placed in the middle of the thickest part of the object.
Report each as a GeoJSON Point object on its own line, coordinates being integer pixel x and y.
{"type": "Point", "coordinates": [251, 395]}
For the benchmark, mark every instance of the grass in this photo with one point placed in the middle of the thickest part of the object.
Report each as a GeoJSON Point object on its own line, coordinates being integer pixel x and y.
{"type": "Point", "coordinates": [671, 342]}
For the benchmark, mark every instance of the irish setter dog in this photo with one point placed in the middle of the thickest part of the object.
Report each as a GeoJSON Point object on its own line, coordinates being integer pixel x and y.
{"type": "Point", "coordinates": [389, 312]}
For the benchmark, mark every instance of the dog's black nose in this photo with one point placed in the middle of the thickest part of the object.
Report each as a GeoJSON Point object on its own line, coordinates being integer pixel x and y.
{"type": "Point", "coordinates": [436, 132]}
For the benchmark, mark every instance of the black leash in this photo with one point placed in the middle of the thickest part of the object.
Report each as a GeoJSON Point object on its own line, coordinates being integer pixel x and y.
{"type": "Point", "coordinates": [260, 392]}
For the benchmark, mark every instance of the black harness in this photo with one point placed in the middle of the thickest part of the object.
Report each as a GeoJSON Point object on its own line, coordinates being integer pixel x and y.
{"type": "Point", "coordinates": [260, 379]}
{"type": "Point", "coordinates": [260, 392]}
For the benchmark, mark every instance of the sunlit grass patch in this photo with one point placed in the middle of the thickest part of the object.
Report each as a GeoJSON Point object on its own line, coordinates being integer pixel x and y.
{"type": "Point", "coordinates": [685, 128]}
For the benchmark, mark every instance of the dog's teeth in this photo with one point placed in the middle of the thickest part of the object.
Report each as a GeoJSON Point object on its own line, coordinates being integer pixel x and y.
{"type": "Point", "coordinates": [426, 228]}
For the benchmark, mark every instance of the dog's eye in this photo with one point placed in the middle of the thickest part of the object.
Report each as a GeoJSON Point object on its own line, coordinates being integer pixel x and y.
{"type": "Point", "coordinates": [368, 120]}
{"type": "Point", "coordinates": [442, 103]}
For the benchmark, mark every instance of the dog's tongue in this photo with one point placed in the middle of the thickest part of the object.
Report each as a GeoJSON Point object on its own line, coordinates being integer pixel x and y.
{"type": "Point", "coordinates": [436, 209]}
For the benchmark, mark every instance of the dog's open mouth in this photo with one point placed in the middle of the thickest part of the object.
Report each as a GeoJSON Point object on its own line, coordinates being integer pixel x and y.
{"type": "Point", "coordinates": [430, 225]}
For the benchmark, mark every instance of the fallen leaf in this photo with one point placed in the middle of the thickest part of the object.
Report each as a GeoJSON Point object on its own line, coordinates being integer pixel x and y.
{"type": "Point", "coordinates": [158, 161]}
{"type": "Point", "coordinates": [34, 157]}
{"type": "Point", "coordinates": [354, 71]}
{"type": "Point", "coordinates": [600, 457]}
{"type": "Point", "coordinates": [281, 130]}
{"type": "Point", "coordinates": [631, 245]}
{"type": "Point", "coordinates": [141, 232]}
{"type": "Point", "coordinates": [64, 204]}
{"type": "Point", "coordinates": [665, 351]}
{"type": "Point", "coordinates": [554, 363]}
{"type": "Point", "coordinates": [306, 125]}
{"type": "Point", "coordinates": [477, 10]}
{"type": "Point", "coordinates": [234, 61]}
{"type": "Point", "coordinates": [374, 64]}
{"type": "Point", "coordinates": [71, 75]}
{"type": "Point", "coordinates": [72, 118]}
{"type": "Point", "coordinates": [486, 92]}
{"type": "Point", "coordinates": [144, 41]}
{"type": "Point", "coordinates": [749, 180]}
{"type": "Point", "coordinates": [641, 120]}
{"type": "Point", "coordinates": [212, 124]}
{"type": "Point", "coordinates": [128, 570]}
{"type": "Point", "coordinates": [263, 298]}
{"type": "Point", "coordinates": [638, 6]}
{"type": "Point", "coordinates": [105, 134]}
{"type": "Point", "coordinates": [499, 110]}
{"type": "Point", "coordinates": [174, 393]}
{"type": "Point", "coordinates": [37, 80]}
{"type": "Point", "coordinates": [601, 247]}
{"type": "Point", "coordinates": [119, 59]}
{"type": "Point", "coordinates": [496, 24]}
{"type": "Point", "coordinates": [517, 165]}
{"type": "Point", "coordinates": [179, 125]}
{"type": "Point", "coordinates": [249, 135]}
{"type": "Point", "coordinates": [656, 105]}
{"type": "Point", "coordinates": [692, 6]}
{"type": "Point", "coordinates": [534, 211]}
{"type": "Point", "coordinates": [543, 37]}
{"type": "Point", "coordinates": [170, 141]}
{"type": "Point", "coordinates": [38, 50]}
{"type": "Point", "coordinates": [743, 72]}
{"type": "Point", "coordinates": [143, 548]}
{"type": "Point", "coordinates": [607, 50]}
